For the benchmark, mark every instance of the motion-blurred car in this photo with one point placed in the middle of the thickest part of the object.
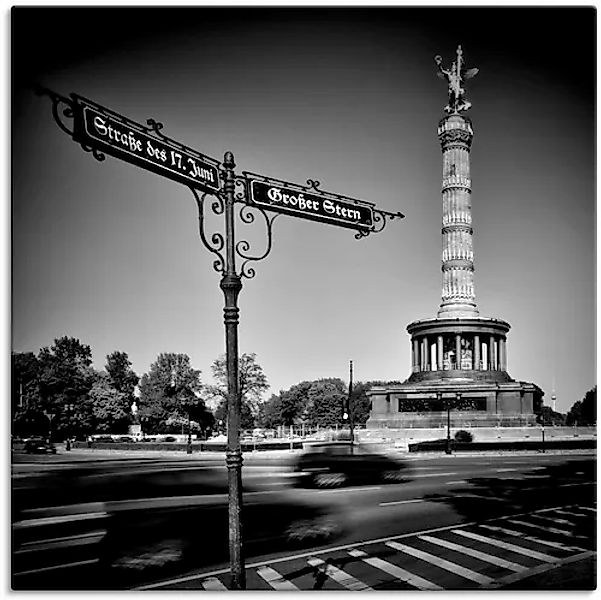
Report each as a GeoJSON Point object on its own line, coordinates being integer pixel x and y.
{"type": "Point", "coordinates": [39, 445]}
{"type": "Point", "coordinates": [100, 531]}
{"type": "Point", "coordinates": [333, 464]}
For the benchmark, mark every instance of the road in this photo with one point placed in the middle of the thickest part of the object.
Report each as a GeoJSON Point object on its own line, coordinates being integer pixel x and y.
{"type": "Point", "coordinates": [459, 522]}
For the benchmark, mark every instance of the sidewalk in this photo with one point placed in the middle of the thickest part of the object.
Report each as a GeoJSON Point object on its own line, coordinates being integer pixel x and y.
{"type": "Point", "coordinates": [576, 573]}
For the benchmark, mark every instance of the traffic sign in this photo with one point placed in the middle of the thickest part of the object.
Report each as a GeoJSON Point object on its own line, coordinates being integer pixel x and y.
{"type": "Point", "coordinates": [122, 138]}
{"type": "Point", "coordinates": [312, 204]}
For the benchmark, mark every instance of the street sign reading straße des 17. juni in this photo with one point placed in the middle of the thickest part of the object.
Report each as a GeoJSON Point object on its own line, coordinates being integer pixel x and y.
{"type": "Point", "coordinates": [313, 204]}
{"type": "Point", "coordinates": [122, 138]}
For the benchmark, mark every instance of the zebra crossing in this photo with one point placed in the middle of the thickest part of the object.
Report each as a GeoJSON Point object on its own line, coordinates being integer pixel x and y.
{"type": "Point", "coordinates": [482, 555]}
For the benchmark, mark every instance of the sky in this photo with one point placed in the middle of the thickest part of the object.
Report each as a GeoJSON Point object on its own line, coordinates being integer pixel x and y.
{"type": "Point", "coordinates": [110, 253]}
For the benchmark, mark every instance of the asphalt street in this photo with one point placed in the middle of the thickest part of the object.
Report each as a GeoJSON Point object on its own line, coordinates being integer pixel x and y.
{"type": "Point", "coordinates": [457, 522]}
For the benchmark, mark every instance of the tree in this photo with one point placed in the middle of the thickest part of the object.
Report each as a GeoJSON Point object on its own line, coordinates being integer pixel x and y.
{"type": "Point", "coordinates": [122, 377]}
{"type": "Point", "coordinates": [171, 388]}
{"type": "Point", "coordinates": [252, 383]}
{"type": "Point", "coordinates": [360, 401]}
{"type": "Point", "coordinates": [65, 379]}
{"type": "Point", "coordinates": [547, 416]}
{"type": "Point", "coordinates": [110, 408]}
{"type": "Point", "coordinates": [584, 412]}
{"type": "Point", "coordinates": [326, 402]}
{"type": "Point", "coordinates": [269, 416]}
{"type": "Point", "coordinates": [24, 373]}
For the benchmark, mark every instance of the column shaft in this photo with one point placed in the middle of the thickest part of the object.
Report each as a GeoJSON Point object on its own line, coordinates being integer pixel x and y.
{"type": "Point", "coordinates": [415, 362]}
{"type": "Point", "coordinates": [476, 353]}
{"type": "Point", "coordinates": [439, 353]}
{"type": "Point", "coordinates": [458, 350]}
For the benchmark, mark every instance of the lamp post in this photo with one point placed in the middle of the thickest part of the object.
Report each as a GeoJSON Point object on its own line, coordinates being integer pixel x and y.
{"type": "Point", "coordinates": [68, 408]}
{"type": "Point", "coordinates": [189, 444]}
{"type": "Point", "coordinates": [351, 421]}
{"type": "Point", "coordinates": [49, 416]}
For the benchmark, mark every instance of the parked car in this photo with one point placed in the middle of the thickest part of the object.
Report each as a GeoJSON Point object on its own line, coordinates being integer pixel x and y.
{"type": "Point", "coordinates": [332, 464]}
{"type": "Point", "coordinates": [39, 445]}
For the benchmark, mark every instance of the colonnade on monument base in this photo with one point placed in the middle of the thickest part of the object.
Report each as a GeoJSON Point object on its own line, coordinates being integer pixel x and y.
{"type": "Point", "coordinates": [459, 370]}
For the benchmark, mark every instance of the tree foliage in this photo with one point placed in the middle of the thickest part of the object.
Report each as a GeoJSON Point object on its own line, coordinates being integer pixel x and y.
{"type": "Point", "coordinates": [122, 377]}
{"type": "Point", "coordinates": [110, 407]}
{"type": "Point", "coordinates": [65, 378]}
{"type": "Point", "coordinates": [171, 388]}
{"type": "Point", "coordinates": [547, 416]}
{"type": "Point", "coordinates": [322, 402]}
{"type": "Point", "coordinates": [584, 412]}
{"type": "Point", "coordinates": [252, 384]}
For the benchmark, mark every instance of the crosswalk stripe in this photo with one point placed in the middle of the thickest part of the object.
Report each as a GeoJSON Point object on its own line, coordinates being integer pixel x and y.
{"type": "Point", "coordinates": [442, 563]}
{"type": "Point", "coordinates": [489, 558]}
{"type": "Point", "coordinates": [212, 584]}
{"type": "Point", "coordinates": [275, 580]}
{"type": "Point", "coordinates": [546, 528]}
{"type": "Point", "coordinates": [570, 513]}
{"type": "Point", "coordinates": [395, 571]}
{"type": "Point", "coordinates": [339, 576]}
{"type": "Point", "coordinates": [554, 520]}
{"type": "Point", "coordinates": [507, 546]}
{"type": "Point", "coordinates": [587, 508]}
{"type": "Point", "coordinates": [531, 538]}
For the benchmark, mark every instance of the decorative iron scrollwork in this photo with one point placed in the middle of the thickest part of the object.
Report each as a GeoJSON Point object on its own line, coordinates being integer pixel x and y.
{"type": "Point", "coordinates": [217, 241]}
{"type": "Point", "coordinates": [243, 246]}
{"type": "Point", "coordinates": [61, 107]}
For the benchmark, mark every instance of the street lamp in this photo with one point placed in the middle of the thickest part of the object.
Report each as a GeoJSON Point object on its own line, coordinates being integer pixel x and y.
{"type": "Point", "coordinates": [68, 408]}
{"type": "Point", "coordinates": [351, 424]}
{"type": "Point", "coordinates": [189, 444]}
{"type": "Point", "coordinates": [49, 416]}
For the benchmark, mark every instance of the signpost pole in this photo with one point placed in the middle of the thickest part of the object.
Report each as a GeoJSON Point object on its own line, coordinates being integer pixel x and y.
{"type": "Point", "coordinates": [231, 285]}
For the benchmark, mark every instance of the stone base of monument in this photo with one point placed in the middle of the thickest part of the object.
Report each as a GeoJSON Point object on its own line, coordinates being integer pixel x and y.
{"type": "Point", "coordinates": [470, 403]}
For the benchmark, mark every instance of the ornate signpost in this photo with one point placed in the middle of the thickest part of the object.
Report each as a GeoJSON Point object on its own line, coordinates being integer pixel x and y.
{"type": "Point", "coordinates": [99, 130]}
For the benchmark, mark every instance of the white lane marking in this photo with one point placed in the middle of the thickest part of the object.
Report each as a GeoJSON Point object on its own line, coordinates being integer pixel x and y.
{"type": "Point", "coordinates": [432, 475]}
{"type": "Point", "coordinates": [489, 558]}
{"type": "Point", "coordinates": [349, 489]}
{"type": "Point", "coordinates": [546, 528]}
{"type": "Point", "coordinates": [456, 482]}
{"type": "Point", "coordinates": [212, 584]}
{"type": "Point", "coordinates": [531, 538]}
{"type": "Point", "coordinates": [507, 546]}
{"type": "Point", "coordinates": [504, 470]}
{"type": "Point", "coordinates": [61, 566]}
{"type": "Point", "coordinates": [275, 579]}
{"type": "Point", "coordinates": [397, 572]}
{"type": "Point", "coordinates": [340, 576]}
{"type": "Point", "coordinates": [221, 571]}
{"type": "Point", "coordinates": [442, 563]}
{"type": "Point", "coordinates": [395, 502]}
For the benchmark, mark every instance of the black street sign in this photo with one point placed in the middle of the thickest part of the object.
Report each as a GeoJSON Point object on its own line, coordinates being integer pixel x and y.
{"type": "Point", "coordinates": [311, 204]}
{"type": "Point", "coordinates": [122, 138]}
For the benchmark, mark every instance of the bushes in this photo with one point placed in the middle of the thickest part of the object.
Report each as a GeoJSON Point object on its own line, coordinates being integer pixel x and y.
{"type": "Point", "coordinates": [464, 436]}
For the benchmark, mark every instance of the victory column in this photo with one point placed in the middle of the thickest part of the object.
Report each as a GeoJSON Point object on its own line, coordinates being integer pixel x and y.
{"type": "Point", "coordinates": [459, 359]}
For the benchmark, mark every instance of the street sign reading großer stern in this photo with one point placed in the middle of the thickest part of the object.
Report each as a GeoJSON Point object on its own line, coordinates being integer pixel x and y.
{"type": "Point", "coordinates": [122, 138]}
{"type": "Point", "coordinates": [313, 204]}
